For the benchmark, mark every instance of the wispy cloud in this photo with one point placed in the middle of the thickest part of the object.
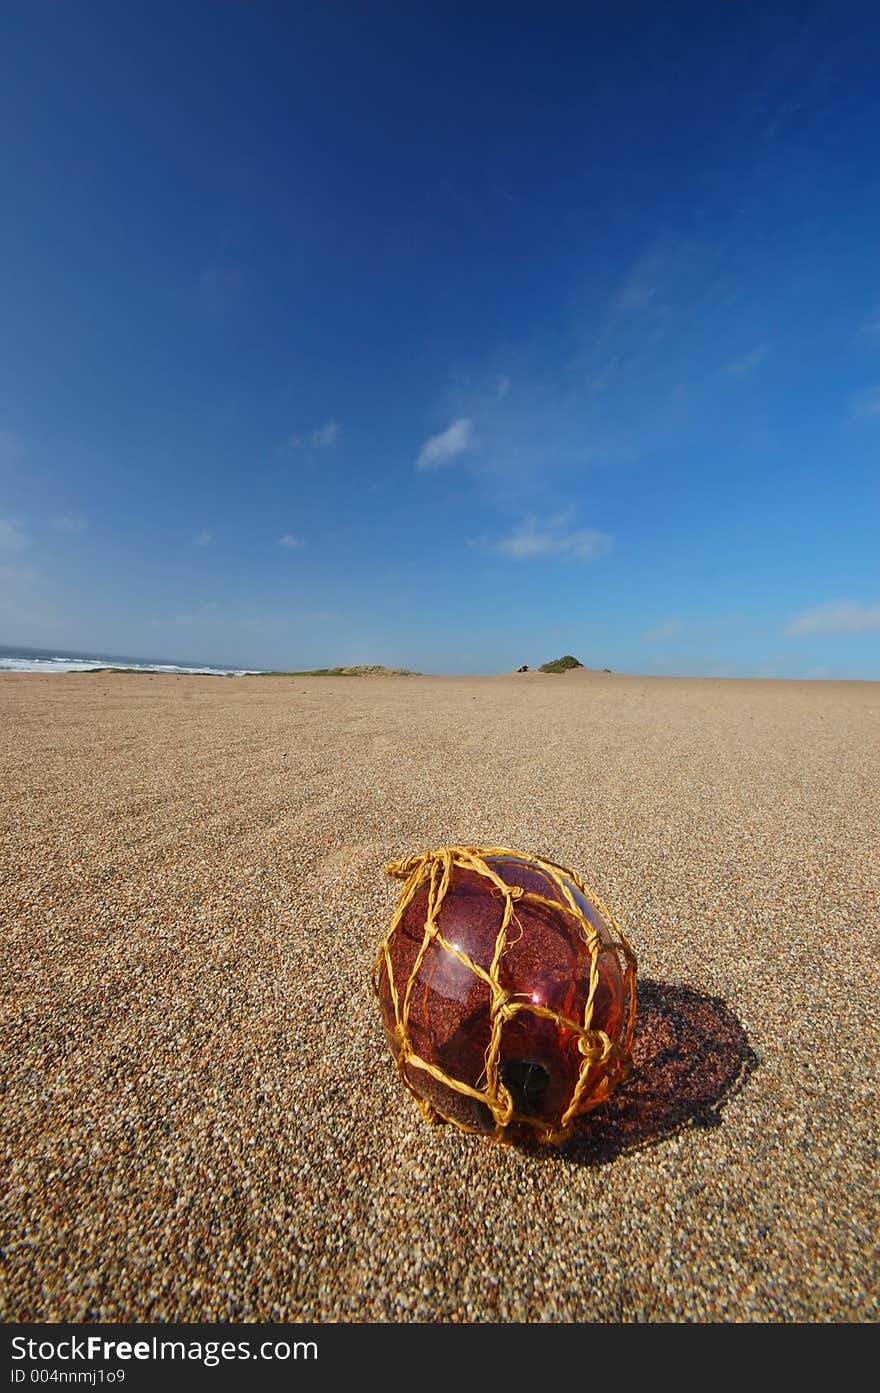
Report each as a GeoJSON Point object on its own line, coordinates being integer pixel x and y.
{"type": "Point", "coordinates": [18, 575]}
{"type": "Point", "coordinates": [324, 436]}
{"type": "Point", "coordinates": [533, 539]}
{"type": "Point", "coordinates": [867, 404]}
{"type": "Point", "coordinates": [871, 326]}
{"type": "Point", "coordinates": [206, 611]}
{"type": "Point", "coordinates": [19, 600]}
{"type": "Point", "coordinates": [221, 288]}
{"type": "Point", "coordinates": [71, 524]}
{"type": "Point", "coordinates": [632, 365]}
{"type": "Point", "coordinates": [321, 438]}
{"type": "Point", "coordinates": [742, 367]}
{"type": "Point", "coordinates": [671, 629]}
{"type": "Point", "coordinates": [204, 539]}
{"type": "Point", "coordinates": [12, 449]}
{"type": "Point", "coordinates": [440, 449]}
{"type": "Point", "coordinates": [289, 540]}
{"type": "Point", "coordinates": [12, 535]}
{"type": "Point", "coordinates": [637, 292]}
{"type": "Point", "coordinates": [840, 617]}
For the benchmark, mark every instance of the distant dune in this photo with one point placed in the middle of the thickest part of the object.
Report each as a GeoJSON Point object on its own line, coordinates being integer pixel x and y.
{"type": "Point", "coordinates": [561, 665]}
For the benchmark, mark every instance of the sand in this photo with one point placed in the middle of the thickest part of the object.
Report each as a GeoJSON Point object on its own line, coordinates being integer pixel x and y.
{"type": "Point", "coordinates": [201, 1120]}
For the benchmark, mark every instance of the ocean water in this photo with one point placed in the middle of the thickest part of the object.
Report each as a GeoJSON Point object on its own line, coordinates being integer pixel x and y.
{"type": "Point", "coordinates": [15, 659]}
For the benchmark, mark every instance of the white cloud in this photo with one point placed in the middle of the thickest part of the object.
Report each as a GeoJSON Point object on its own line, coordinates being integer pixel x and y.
{"type": "Point", "coordinates": [204, 539]}
{"type": "Point", "coordinates": [622, 376]}
{"type": "Point", "coordinates": [289, 540]}
{"type": "Point", "coordinates": [321, 438]}
{"type": "Point", "coordinates": [741, 367]}
{"type": "Point", "coordinates": [453, 441]}
{"type": "Point", "coordinates": [842, 617]}
{"type": "Point", "coordinates": [670, 629]}
{"type": "Point", "coordinates": [12, 537]}
{"type": "Point", "coordinates": [324, 435]}
{"type": "Point", "coordinates": [531, 540]}
{"type": "Point", "coordinates": [502, 387]}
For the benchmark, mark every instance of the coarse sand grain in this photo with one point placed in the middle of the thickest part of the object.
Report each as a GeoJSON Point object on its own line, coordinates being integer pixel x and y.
{"type": "Point", "coordinates": [201, 1119]}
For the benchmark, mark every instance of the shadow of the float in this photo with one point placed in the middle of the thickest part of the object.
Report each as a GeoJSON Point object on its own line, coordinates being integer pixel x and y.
{"type": "Point", "coordinates": [690, 1056]}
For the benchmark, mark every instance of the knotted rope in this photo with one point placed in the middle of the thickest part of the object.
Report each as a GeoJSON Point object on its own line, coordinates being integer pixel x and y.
{"type": "Point", "coordinates": [434, 868]}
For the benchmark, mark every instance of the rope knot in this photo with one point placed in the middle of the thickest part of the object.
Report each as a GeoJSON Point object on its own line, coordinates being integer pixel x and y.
{"type": "Point", "coordinates": [596, 1046]}
{"type": "Point", "coordinates": [504, 1006]}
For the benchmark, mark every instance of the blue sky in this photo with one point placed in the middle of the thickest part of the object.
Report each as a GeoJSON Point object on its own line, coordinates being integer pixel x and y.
{"type": "Point", "coordinates": [446, 337]}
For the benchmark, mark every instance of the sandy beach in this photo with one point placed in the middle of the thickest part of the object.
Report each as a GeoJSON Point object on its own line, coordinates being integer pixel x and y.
{"type": "Point", "coordinates": [201, 1120]}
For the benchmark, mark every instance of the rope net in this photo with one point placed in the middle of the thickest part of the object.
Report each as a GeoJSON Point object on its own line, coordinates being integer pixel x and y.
{"type": "Point", "coordinates": [434, 970]}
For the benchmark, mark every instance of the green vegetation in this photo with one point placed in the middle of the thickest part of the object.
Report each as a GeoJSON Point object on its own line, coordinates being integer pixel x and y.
{"type": "Point", "coordinates": [560, 664]}
{"type": "Point", "coordinates": [364, 670]}
{"type": "Point", "coordinates": [308, 672]}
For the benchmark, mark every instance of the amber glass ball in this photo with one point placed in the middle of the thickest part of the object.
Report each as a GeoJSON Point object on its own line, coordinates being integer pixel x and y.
{"type": "Point", "coordinates": [508, 1006]}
